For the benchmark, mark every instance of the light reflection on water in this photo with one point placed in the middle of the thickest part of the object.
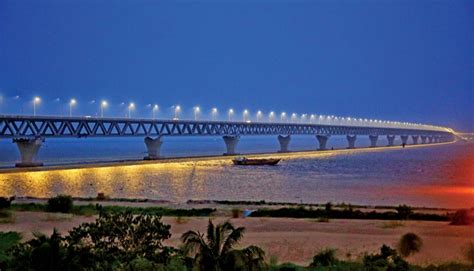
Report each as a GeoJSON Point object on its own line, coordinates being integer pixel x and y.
{"type": "Point", "coordinates": [437, 176]}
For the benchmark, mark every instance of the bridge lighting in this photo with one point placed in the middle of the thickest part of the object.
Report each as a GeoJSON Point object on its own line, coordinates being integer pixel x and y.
{"type": "Point", "coordinates": [103, 105]}
{"type": "Point", "coordinates": [196, 112]}
{"type": "Point", "coordinates": [71, 104]}
{"type": "Point", "coordinates": [36, 100]}
{"type": "Point", "coordinates": [154, 111]}
{"type": "Point", "coordinates": [312, 117]}
{"type": "Point", "coordinates": [259, 115]}
{"type": "Point", "coordinates": [294, 117]}
{"type": "Point", "coordinates": [271, 116]}
{"type": "Point", "coordinates": [214, 113]}
{"type": "Point", "coordinates": [230, 113]}
{"type": "Point", "coordinates": [245, 115]}
{"type": "Point", "coordinates": [303, 118]}
{"type": "Point", "coordinates": [283, 117]}
{"type": "Point", "coordinates": [131, 106]}
{"type": "Point", "coordinates": [177, 109]}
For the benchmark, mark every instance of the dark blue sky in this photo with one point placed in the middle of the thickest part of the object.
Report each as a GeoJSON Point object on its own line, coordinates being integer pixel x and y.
{"type": "Point", "coordinates": [397, 60]}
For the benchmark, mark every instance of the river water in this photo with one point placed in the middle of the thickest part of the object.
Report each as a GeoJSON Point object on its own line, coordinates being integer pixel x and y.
{"type": "Point", "coordinates": [431, 176]}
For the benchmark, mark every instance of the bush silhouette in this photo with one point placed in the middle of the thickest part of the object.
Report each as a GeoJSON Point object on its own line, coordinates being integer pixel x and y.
{"type": "Point", "coordinates": [60, 203]}
{"type": "Point", "coordinates": [409, 244]}
{"type": "Point", "coordinates": [326, 257]}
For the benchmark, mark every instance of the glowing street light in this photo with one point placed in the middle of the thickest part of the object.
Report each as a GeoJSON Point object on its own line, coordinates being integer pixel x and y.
{"type": "Point", "coordinates": [177, 109]}
{"type": "Point", "coordinates": [72, 103]}
{"type": "Point", "coordinates": [294, 117]}
{"type": "Point", "coordinates": [271, 116]}
{"type": "Point", "coordinates": [214, 113]}
{"type": "Point", "coordinates": [131, 106]}
{"type": "Point", "coordinates": [303, 118]}
{"type": "Point", "coordinates": [282, 116]}
{"type": "Point", "coordinates": [196, 112]}
{"type": "Point", "coordinates": [230, 113]}
{"type": "Point", "coordinates": [245, 114]}
{"type": "Point", "coordinates": [259, 115]}
{"type": "Point", "coordinates": [154, 111]}
{"type": "Point", "coordinates": [36, 100]}
{"type": "Point", "coordinates": [103, 105]}
{"type": "Point", "coordinates": [312, 118]}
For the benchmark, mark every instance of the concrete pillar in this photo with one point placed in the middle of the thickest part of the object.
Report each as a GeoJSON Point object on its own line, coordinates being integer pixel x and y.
{"type": "Point", "coordinates": [351, 140]}
{"type": "Point", "coordinates": [415, 139]}
{"type": "Point", "coordinates": [391, 140]}
{"type": "Point", "coordinates": [373, 140]}
{"type": "Point", "coordinates": [231, 143]}
{"type": "Point", "coordinates": [153, 146]}
{"type": "Point", "coordinates": [430, 139]}
{"type": "Point", "coordinates": [284, 142]}
{"type": "Point", "coordinates": [423, 139]}
{"type": "Point", "coordinates": [322, 139]}
{"type": "Point", "coordinates": [29, 148]}
{"type": "Point", "coordinates": [404, 139]}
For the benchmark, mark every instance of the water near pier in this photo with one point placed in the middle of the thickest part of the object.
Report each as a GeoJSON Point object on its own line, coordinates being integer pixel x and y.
{"type": "Point", "coordinates": [434, 176]}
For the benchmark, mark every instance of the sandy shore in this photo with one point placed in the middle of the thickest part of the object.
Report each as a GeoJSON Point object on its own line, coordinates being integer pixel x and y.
{"type": "Point", "coordinates": [295, 240]}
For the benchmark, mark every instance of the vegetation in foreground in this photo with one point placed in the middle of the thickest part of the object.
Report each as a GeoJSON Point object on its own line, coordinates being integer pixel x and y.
{"type": "Point", "coordinates": [123, 241]}
{"type": "Point", "coordinates": [403, 212]}
{"type": "Point", "coordinates": [126, 238]}
{"type": "Point", "coordinates": [64, 204]}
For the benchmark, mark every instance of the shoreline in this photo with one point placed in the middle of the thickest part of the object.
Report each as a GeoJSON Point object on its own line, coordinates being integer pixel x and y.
{"type": "Point", "coordinates": [197, 158]}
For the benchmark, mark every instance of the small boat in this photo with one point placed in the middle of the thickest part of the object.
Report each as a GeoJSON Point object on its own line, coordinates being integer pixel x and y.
{"type": "Point", "coordinates": [242, 161]}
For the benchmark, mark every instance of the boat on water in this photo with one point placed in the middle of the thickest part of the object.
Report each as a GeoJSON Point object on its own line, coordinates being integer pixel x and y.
{"type": "Point", "coordinates": [242, 161]}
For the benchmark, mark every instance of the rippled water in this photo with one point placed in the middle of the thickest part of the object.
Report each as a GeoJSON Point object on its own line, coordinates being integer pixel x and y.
{"type": "Point", "coordinates": [435, 176]}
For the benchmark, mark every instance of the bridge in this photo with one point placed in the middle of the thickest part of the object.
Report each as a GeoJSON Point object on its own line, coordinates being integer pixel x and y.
{"type": "Point", "coordinates": [29, 132]}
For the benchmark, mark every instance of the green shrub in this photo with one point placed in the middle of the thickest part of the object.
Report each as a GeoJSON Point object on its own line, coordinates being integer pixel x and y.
{"type": "Point", "coordinates": [60, 203]}
{"type": "Point", "coordinates": [409, 244]}
{"type": "Point", "coordinates": [326, 257]}
{"type": "Point", "coordinates": [387, 259]}
{"type": "Point", "coordinates": [7, 241]}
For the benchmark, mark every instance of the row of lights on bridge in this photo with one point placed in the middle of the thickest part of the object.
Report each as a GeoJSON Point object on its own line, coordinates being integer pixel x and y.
{"type": "Point", "coordinates": [272, 116]}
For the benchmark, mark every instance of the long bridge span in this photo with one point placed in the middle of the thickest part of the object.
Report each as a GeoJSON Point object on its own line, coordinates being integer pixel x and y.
{"type": "Point", "coordinates": [29, 132]}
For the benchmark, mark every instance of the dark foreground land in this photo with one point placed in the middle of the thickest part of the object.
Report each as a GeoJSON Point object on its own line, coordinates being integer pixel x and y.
{"type": "Point", "coordinates": [285, 233]}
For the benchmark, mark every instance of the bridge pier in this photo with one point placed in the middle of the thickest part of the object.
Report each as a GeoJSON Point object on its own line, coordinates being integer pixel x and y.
{"type": "Point", "coordinates": [322, 139]}
{"type": "Point", "coordinates": [153, 146]}
{"type": "Point", "coordinates": [373, 140]}
{"type": "Point", "coordinates": [351, 140]}
{"type": "Point", "coordinates": [29, 148]}
{"type": "Point", "coordinates": [231, 144]}
{"type": "Point", "coordinates": [430, 139]}
{"type": "Point", "coordinates": [284, 142]}
{"type": "Point", "coordinates": [404, 139]}
{"type": "Point", "coordinates": [415, 139]}
{"type": "Point", "coordinates": [423, 139]}
{"type": "Point", "coordinates": [391, 140]}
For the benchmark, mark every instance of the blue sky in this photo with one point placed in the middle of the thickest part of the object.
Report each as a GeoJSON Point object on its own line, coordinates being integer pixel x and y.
{"type": "Point", "coordinates": [395, 60]}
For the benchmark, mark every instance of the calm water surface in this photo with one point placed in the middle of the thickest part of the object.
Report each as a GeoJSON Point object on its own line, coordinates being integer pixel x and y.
{"type": "Point", "coordinates": [435, 176]}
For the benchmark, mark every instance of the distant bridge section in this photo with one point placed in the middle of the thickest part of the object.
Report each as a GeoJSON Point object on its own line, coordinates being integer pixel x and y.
{"type": "Point", "coordinates": [29, 132]}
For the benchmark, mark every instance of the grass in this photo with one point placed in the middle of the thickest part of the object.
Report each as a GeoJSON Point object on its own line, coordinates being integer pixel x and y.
{"type": "Point", "coordinates": [7, 241]}
{"type": "Point", "coordinates": [90, 209]}
{"type": "Point", "coordinates": [393, 224]}
{"type": "Point", "coordinates": [347, 213]}
{"type": "Point", "coordinates": [6, 217]}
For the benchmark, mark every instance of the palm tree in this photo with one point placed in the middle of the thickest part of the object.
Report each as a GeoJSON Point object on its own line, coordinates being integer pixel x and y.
{"type": "Point", "coordinates": [215, 251]}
